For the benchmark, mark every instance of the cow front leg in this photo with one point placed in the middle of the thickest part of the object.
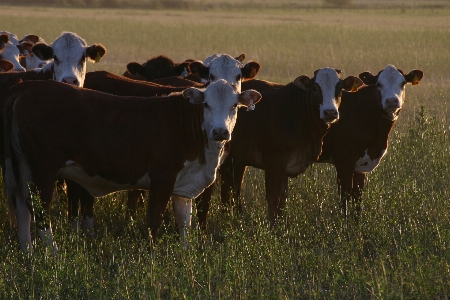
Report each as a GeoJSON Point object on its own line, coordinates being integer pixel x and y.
{"type": "Point", "coordinates": [345, 186]}
{"type": "Point", "coordinates": [274, 181]}
{"type": "Point", "coordinates": [87, 209]}
{"type": "Point", "coordinates": [231, 183]}
{"type": "Point", "coordinates": [182, 208]}
{"type": "Point", "coordinates": [203, 203]}
{"type": "Point", "coordinates": [158, 198]}
{"type": "Point", "coordinates": [357, 192]}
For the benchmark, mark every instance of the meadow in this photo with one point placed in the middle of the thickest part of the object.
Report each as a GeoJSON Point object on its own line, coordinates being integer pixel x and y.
{"type": "Point", "coordinates": [399, 250]}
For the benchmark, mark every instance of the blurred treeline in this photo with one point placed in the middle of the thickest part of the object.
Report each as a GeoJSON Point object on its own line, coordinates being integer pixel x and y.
{"type": "Point", "coordinates": [236, 4]}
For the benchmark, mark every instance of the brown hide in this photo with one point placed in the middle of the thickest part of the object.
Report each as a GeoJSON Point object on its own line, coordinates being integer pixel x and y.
{"type": "Point", "coordinates": [117, 138]}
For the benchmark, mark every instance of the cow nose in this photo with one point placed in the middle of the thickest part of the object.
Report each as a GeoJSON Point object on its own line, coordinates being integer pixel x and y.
{"type": "Point", "coordinates": [221, 134]}
{"type": "Point", "coordinates": [392, 102]}
{"type": "Point", "coordinates": [70, 80]}
{"type": "Point", "coordinates": [330, 114]}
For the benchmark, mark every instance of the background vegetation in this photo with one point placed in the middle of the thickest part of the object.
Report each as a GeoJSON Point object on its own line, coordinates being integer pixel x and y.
{"type": "Point", "coordinates": [399, 250]}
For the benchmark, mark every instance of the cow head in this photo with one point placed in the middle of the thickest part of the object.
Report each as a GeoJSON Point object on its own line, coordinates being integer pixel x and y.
{"type": "Point", "coordinates": [391, 83]}
{"type": "Point", "coordinates": [158, 67]}
{"type": "Point", "coordinates": [31, 61]}
{"type": "Point", "coordinates": [221, 102]}
{"type": "Point", "coordinates": [5, 66]}
{"type": "Point", "coordinates": [328, 87]}
{"type": "Point", "coordinates": [69, 53]}
{"type": "Point", "coordinates": [12, 53]}
{"type": "Point", "coordinates": [223, 66]}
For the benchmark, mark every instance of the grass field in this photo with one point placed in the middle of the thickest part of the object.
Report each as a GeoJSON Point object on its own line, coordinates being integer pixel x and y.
{"type": "Point", "coordinates": [400, 249]}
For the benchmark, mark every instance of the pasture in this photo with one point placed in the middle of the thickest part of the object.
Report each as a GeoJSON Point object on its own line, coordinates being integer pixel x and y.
{"type": "Point", "coordinates": [399, 250]}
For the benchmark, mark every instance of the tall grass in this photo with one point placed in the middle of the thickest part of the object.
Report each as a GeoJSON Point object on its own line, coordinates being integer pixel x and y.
{"type": "Point", "coordinates": [400, 249]}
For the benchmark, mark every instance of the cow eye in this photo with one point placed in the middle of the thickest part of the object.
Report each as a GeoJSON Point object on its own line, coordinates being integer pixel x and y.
{"type": "Point", "coordinates": [212, 77]}
{"type": "Point", "coordinates": [207, 105]}
{"type": "Point", "coordinates": [55, 59]}
{"type": "Point", "coordinates": [238, 77]}
{"type": "Point", "coordinates": [403, 84]}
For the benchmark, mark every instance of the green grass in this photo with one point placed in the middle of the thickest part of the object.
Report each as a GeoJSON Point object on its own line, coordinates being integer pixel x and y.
{"type": "Point", "coordinates": [399, 250]}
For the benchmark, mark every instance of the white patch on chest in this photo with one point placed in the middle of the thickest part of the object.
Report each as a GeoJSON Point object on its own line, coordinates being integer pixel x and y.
{"type": "Point", "coordinates": [366, 164]}
{"type": "Point", "coordinates": [195, 177]}
{"type": "Point", "coordinates": [96, 185]}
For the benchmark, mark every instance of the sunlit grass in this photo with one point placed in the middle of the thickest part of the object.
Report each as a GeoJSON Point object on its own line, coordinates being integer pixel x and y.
{"type": "Point", "coordinates": [400, 248]}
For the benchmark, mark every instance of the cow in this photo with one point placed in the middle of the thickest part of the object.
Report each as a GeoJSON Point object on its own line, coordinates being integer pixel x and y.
{"type": "Point", "coordinates": [283, 136]}
{"type": "Point", "coordinates": [156, 67]}
{"type": "Point", "coordinates": [108, 143]}
{"type": "Point", "coordinates": [358, 142]}
{"type": "Point", "coordinates": [13, 51]}
{"type": "Point", "coordinates": [4, 40]}
{"type": "Point", "coordinates": [30, 61]}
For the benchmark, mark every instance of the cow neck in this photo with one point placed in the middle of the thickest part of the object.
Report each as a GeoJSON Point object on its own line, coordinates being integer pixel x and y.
{"type": "Point", "coordinates": [308, 119]}
{"type": "Point", "coordinates": [191, 127]}
{"type": "Point", "coordinates": [369, 108]}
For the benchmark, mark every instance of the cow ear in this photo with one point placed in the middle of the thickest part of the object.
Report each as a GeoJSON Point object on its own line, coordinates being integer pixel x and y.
{"type": "Point", "coordinates": [4, 39]}
{"type": "Point", "coordinates": [198, 68]}
{"type": "Point", "coordinates": [194, 95]}
{"type": "Point", "coordinates": [30, 38]}
{"type": "Point", "coordinates": [249, 97]}
{"type": "Point", "coordinates": [241, 57]}
{"type": "Point", "coordinates": [368, 78]}
{"type": "Point", "coordinates": [250, 70]}
{"type": "Point", "coordinates": [136, 68]}
{"type": "Point", "coordinates": [5, 65]}
{"type": "Point", "coordinates": [414, 77]}
{"type": "Point", "coordinates": [25, 48]}
{"type": "Point", "coordinates": [42, 51]}
{"type": "Point", "coordinates": [95, 52]}
{"type": "Point", "coordinates": [180, 68]}
{"type": "Point", "coordinates": [352, 84]}
{"type": "Point", "coordinates": [304, 82]}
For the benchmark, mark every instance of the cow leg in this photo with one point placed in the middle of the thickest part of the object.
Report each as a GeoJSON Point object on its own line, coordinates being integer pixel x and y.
{"type": "Point", "coordinates": [44, 189]}
{"type": "Point", "coordinates": [23, 215]}
{"type": "Point", "coordinates": [274, 178]}
{"type": "Point", "coordinates": [132, 201]}
{"type": "Point", "coordinates": [345, 186]}
{"type": "Point", "coordinates": [357, 192]}
{"type": "Point", "coordinates": [203, 203]}
{"type": "Point", "coordinates": [73, 191]}
{"type": "Point", "coordinates": [232, 180]}
{"type": "Point", "coordinates": [158, 198]}
{"type": "Point", "coordinates": [87, 209]}
{"type": "Point", "coordinates": [182, 208]}
{"type": "Point", "coordinates": [284, 192]}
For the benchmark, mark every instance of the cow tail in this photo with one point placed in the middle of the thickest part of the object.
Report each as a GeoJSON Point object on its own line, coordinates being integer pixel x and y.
{"type": "Point", "coordinates": [10, 176]}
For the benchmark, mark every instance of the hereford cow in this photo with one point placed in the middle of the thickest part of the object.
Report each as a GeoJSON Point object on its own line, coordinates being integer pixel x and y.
{"type": "Point", "coordinates": [358, 142]}
{"type": "Point", "coordinates": [109, 143]}
{"type": "Point", "coordinates": [31, 61]}
{"type": "Point", "coordinates": [300, 114]}
{"type": "Point", "coordinates": [156, 67]}
{"type": "Point", "coordinates": [12, 52]}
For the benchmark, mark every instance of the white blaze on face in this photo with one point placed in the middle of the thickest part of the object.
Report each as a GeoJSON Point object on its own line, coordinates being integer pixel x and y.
{"type": "Point", "coordinates": [221, 104]}
{"type": "Point", "coordinates": [223, 66]}
{"type": "Point", "coordinates": [391, 84]}
{"type": "Point", "coordinates": [327, 79]}
{"type": "Point", "coordinates": [11, 53]}
{"type": "Point", "coordinates": [69, 59]}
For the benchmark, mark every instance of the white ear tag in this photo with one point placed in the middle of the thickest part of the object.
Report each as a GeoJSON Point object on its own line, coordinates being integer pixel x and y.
{"type": "Point", "coordinates": [251, 106]}
{"type": "Point", "coordinates": [184, 73]}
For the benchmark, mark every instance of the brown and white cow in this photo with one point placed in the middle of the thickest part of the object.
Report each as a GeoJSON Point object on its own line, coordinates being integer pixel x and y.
{"type": "Point", "coordinates": [283, 136]}
{"type": "Point", "coordinates": [30, 61]}
{"type": "Point", "coordinates": [358, 142]}
{"type": "Point", "coordinates": [13, 51]}
{"type": "Point", "coordinates": [108, 143]}
{"type": "Point", "coordinates": [69, 53]}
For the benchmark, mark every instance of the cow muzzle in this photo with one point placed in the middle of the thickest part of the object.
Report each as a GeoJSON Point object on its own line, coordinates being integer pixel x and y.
{"type": "Point", "coordinates": [221, 134]}
{"type": "Point", "coordinates": [330, 115]}
{"type": "Point", "coordinates": [71, 80]}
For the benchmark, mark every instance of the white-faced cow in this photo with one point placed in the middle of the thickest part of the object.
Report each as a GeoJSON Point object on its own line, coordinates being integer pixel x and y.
{"type": "Point", "coordinates": [13, 51]}
{"type": "Point", "coordinates": [31, 61]}
{"type": "Point", "coordinates": [358, 142]}
{"type": "Point", "coordinates": [283, 136]}
{"type": "Point", "coordinates": [69, 53]}
{"type": "Point", "coordinates": [109, 143]}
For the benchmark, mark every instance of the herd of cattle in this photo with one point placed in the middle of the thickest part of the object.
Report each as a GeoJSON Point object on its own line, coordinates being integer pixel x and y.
{"type": "Point", "coordinates": [170, 127]}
